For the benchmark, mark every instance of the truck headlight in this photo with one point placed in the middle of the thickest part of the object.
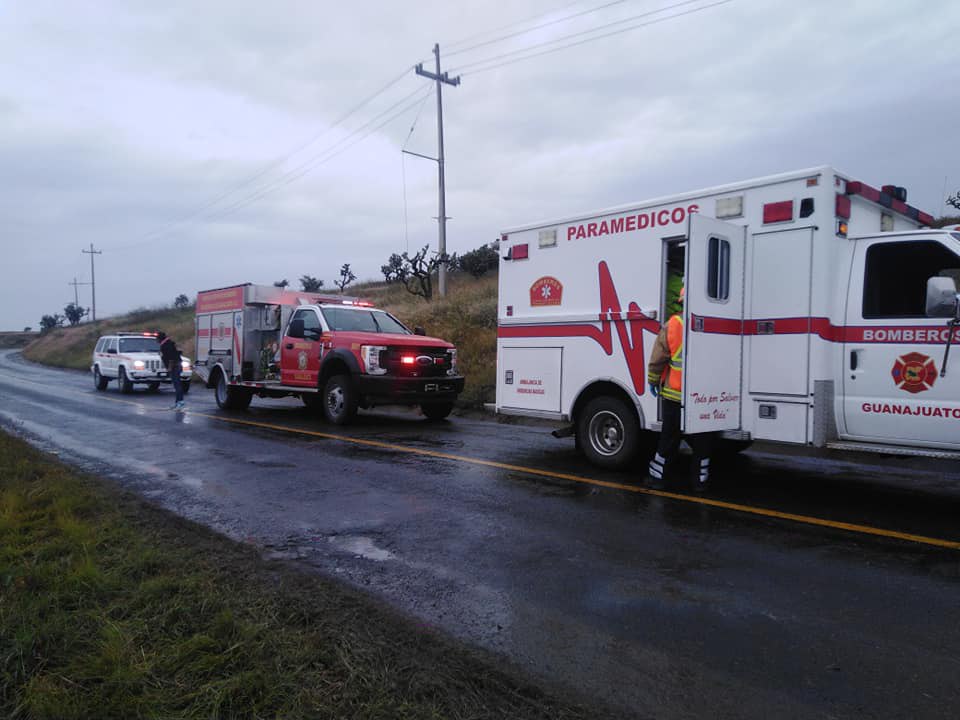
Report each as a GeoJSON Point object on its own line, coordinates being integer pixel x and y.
{"type": "Point", "coordinates": [371, 359]}
{"type": "Point", "coordinates": [452, 352]}
{"type": "Point", "coordinates": [185, 364]}
{"type": "Point", "coordinates": [139, 365]}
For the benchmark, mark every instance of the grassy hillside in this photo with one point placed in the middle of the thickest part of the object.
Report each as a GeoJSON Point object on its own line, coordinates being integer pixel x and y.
{"type": "Point", "coordinates": [467, 317]}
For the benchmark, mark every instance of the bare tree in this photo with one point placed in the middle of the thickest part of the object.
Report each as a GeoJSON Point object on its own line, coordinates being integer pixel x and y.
{"type": "Point", "coordinates": [346, 277]}
{"type": "Point", "coordinates": [420, 269]}
{"type": "Point", "coordinates": [394, 270]}
{"type": "Point", "coordinates": [954, 201]}
{"type": "Point", "coordinates": [181, 302]}
{"type": "Point", "coordinates": [281, 283]}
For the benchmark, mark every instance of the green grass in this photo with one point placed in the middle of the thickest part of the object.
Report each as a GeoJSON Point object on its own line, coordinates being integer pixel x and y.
{"type": "Point", "coordinates": [110, 608]}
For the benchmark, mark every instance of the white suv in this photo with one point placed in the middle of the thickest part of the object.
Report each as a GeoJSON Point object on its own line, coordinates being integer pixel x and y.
{"type": "Point", "coordinates": [131, 358]}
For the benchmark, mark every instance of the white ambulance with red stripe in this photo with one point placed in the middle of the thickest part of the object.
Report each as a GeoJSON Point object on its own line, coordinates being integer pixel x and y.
{"type": "Point", "coordinates": [818, 312]}
{"type": "Point", "coordinates": [337, 354]}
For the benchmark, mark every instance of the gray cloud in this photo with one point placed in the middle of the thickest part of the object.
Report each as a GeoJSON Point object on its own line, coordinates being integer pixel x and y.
{"type": "Point", "coordinates": [119, 119]}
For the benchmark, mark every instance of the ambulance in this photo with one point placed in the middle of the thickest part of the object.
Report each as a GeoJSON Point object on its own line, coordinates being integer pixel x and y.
{"type": "Point", "coordinates": [819, 311]}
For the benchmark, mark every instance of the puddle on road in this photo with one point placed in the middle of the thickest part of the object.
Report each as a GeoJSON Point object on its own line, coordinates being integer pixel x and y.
{"type": "Point", "coordinates": [362, 546]}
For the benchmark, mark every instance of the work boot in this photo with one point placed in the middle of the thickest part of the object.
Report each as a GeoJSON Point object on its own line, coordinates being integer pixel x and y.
{"type": "Point", "coordinates": [701, 475]}
{"type": "Point", "coordinates": [654, 479]}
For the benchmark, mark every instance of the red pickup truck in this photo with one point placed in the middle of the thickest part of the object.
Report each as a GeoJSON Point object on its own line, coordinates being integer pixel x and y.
{"type": "Point", "coordinates": [338, 354]}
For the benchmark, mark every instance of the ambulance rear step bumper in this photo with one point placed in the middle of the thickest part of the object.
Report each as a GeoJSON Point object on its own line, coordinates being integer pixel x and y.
{"type": "Point", "coordinates": [851, 446]}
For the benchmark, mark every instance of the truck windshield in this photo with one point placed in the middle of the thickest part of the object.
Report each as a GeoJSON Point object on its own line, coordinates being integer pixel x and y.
{"type": "Point", "coordinates": [375, 321]}
{"type": "Point", "coordinates": [139, 344]}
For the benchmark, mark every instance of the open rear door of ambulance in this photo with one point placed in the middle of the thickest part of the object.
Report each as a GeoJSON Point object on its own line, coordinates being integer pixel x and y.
{"type": "Point", "coordinates": [713, 323]}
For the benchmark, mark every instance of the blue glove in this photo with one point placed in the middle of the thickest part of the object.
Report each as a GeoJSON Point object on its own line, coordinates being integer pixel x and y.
{"type": "Point", "coordinates": [654, 389]}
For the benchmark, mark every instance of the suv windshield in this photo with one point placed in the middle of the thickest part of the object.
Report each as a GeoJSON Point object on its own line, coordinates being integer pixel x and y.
{"type": "Point", "coordinates": [139, 344]}
{"type": "Point", "coordinates": [375, 321]}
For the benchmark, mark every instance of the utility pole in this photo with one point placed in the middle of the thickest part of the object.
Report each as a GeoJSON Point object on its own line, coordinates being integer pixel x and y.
{"type": "Point", "coordinates": [440, 78]}
{"type": "Point", "coordinates": [76, 295]}
{"type": "Point", "coordinates": [93, 278]}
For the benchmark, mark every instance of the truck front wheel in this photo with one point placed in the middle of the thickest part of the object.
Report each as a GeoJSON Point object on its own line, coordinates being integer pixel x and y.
{"type": "Point", "coordinates": [608, 432]}
{"type": "Point", "coordinates": [231, 398]}
{"type": "Point", "coordinates": [339, 400]}
{"type": "Point", "coordinates": [436, 410]}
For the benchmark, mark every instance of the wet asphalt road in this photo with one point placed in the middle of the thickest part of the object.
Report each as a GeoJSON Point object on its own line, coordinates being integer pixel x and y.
{"type": "Point", "coordinates": [657, 606]}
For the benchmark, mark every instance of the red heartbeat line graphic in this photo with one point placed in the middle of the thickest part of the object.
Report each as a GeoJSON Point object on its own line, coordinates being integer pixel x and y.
{"type": "Point", "coordinates": [629, 330]}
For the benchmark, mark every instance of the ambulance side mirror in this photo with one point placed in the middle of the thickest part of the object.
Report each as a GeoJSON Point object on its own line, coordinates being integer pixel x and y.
{"type": "Point", "coordinates": [942, 297]}
{"type": "Point", "coordinates": [296, 328]}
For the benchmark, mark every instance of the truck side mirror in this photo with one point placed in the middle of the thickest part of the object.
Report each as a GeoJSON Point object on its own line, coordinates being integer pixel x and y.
{"type": "Point", "coordinates": [941, 297]}
{"type": "Point", "coordinates": [419, 331]}
{"type": "Point", "coordinates": [296, 328]}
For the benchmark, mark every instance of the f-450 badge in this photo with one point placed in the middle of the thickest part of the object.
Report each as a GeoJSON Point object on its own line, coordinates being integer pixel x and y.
{"type": "Point", "coordinates": [914, 372]}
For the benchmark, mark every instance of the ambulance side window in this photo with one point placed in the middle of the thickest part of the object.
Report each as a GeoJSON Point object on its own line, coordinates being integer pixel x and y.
{"type": "Point", "coordinates": [718, 269]}
{"type": "Point", "coordinates": [896, 273]}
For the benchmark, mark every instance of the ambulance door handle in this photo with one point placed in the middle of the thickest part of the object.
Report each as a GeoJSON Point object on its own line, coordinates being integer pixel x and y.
{"type": "Point", "coordinates": [853, 360]}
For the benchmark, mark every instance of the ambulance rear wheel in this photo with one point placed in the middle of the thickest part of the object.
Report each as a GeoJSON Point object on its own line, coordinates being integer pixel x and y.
{"type": "Point", "coordinates": [231, 398]}
{"type": "Point", "coordinates": [608, 432]}
{"type": "Point", "coordinates": [339, 400]}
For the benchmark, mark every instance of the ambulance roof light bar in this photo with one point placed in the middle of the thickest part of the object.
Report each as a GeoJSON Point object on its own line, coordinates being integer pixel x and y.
{"type": "Point", "coordinates": [890, 196]}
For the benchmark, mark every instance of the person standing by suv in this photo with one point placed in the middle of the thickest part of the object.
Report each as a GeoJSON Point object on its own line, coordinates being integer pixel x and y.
{"type": "Point", "coordinates": [170, 356]}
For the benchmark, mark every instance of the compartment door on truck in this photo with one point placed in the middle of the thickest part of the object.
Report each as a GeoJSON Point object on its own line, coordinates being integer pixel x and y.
{"type": "Point", "coordinates": [893, 353]}
{"type": "Point", "coordinates": [713, 322]}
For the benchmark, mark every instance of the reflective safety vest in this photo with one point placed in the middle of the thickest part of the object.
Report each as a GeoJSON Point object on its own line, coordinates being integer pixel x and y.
{"type": "Point", "coordinates": [673, 375]}
{"type": "Point", "coordinates": [666, 360]}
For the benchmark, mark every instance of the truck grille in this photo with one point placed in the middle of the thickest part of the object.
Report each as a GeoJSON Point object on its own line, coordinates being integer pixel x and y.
{"type": "Point", "coordinates": [152, 365]}
{"type": "Point", "coordinates": [428, 361]}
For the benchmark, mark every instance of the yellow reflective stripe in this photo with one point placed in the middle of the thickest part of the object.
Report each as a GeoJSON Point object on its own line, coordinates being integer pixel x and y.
{"type": "Point", "coordinates": [670, 394]}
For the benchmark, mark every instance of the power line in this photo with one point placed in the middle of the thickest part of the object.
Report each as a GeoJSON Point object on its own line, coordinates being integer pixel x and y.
{"type": "Point", "coordinates": [272, 165]}
{"type": "Point", "coordinates": [586, 40]}
{"type": "Point", "coordinates": [556, 21]}
{"type": "Point", "coordinates": [327, 155]}
{"type": "Point", "coordinates": [518, 23]}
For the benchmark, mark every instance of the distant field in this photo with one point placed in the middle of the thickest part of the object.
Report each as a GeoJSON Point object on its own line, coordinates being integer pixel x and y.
{"type": "Point", "coordinates": [467, 317]}
{"type": "Point", "coordinates": [16, 339]}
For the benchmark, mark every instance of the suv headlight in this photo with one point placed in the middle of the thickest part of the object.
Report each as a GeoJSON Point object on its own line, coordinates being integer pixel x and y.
{"type": "Point", "coordinates": [452, 352]}
{"type": "Point", "coordinates": [139, 365]}
{"type": "Point", "coordinates": [371, 359]}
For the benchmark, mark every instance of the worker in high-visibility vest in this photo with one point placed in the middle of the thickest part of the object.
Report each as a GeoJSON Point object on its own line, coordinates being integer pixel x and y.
{"type": "Point", "coordinates": [665, 377]}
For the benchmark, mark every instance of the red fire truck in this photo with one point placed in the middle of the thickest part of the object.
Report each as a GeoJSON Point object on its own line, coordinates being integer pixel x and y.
{"type": "Point", "coordinates": [336, 353]}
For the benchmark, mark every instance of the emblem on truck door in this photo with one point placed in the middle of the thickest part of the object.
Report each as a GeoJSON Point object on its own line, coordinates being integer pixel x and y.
{"type": "Point", "coordinates": [914, 372]}
{"type": "Point", "coordinates": [302, 360]}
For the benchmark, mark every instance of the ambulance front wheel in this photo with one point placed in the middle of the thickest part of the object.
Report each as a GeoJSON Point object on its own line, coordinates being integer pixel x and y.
{"type": "Point", "coordinates": [608, 432]}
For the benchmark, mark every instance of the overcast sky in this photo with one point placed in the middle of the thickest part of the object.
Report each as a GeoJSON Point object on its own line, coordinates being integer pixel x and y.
{"type": "Point", "coordinates": [192, 142]}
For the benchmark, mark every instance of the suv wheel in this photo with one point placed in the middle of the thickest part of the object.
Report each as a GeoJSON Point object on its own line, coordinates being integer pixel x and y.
{"type": "Point", "coordinates": [126, 386]}
{"type": "Point", "coordinates": [436, 410]}
{"type": "Point", "coordinates": [339, 400]}
{"type": "Point", "coordinates": [99, 380]}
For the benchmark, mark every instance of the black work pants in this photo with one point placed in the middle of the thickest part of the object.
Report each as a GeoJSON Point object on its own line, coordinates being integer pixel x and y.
{"type": "Point", "coordinates": [670, 436]}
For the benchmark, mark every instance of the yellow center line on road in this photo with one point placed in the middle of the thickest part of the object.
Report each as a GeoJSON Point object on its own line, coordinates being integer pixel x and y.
{"type": "Point", "coordinates": [709, 502]}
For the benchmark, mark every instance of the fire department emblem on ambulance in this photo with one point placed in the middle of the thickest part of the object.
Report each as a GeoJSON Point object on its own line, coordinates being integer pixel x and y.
{"type": "Point", "coordinates": [914, 372]}
{"type": "Point", "coordinates": [302, 360]}
{"type": "Point", "coordinates": [546, 291]}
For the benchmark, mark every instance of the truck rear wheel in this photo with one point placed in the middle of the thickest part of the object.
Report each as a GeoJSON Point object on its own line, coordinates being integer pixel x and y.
{"type": "Point", "coordinates": [608, 432]}
{"type": "Point", "coordinates": [99, 381]}
{"type": "Point", "coordinates": [339, 400]}
{"type": "Point", "coordinates": [436, 410]}
{"type": "Point", "coordinates": [126, 387]}
{"type": "Point", "coordinates": [231, 398]}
